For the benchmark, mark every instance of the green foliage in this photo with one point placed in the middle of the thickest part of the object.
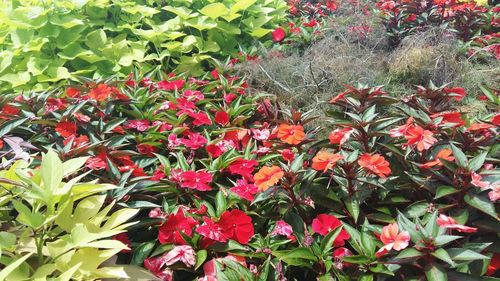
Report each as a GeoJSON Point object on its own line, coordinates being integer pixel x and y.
{"type": "Point", "coordinates": [52, 227]}
{"type": "Point", "coordinates": [45, 42]}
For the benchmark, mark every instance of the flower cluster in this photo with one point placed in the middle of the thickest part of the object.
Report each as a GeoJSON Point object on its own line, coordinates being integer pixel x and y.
{"type": "Point", "coordinates": [230, 184]}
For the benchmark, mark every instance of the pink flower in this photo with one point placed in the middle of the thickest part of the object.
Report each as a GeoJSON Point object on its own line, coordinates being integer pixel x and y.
{"type": "Point", "coordinates": [476, 181]}
{"type": "Point", "coordinates": [448, 222]}
{"type": "Point", "coordinates": [494, 194]}
{"type": "Point", "coordinates": [282, 228]}
{"type": "Point", "coordinates": [211, 230]}
{"type": "Point", "coordinates": [184, 254]}
{"type": "Point", "coordinates": [393, 239]}
{"type": "Point", "coordinates": [139, 125]}
{"type": "Point", "coordinates": [154, 265]}
{"type": "Point", "coordinates": [197, 180]}
{"type": "Point", "coordinates": [194, 96]}
{"type": "Point", "coordinates": [200, 118]}
{"type": "Point", "coordinates": [157, 213]}
{"type": "Point", "coordinates": [278, 34]}
{"type": "Point", "coordinates": [244, 189]}
{"type": "Point", "coordinates": [325, 223]}
{"type": "Point", "coordinates": [194, 141]}
{"type": "Point", "coordinates": [261, 134]}
{"type": "Point", "coordinates": [338, 256]}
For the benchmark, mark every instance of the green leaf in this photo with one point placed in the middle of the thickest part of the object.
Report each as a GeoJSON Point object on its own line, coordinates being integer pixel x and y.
{"type": "Point", "coordinates": [482, 203]}
{"type": "Point", "coordinates": [327, 241]}
{"type": "Point", "coordinates": [296, 257]}
{"type": "Point", "coordinates": [242, 5]}
{"type": "Point", "coordinates": [444, 190]}
{"type": "Point", "coordinates": [442, 240]}
{"type": "Point", "coordinates": [477, 162]}
{"type": "Point", "coordinates": [96, 39]}
{"type": "Point", "coordinates": [141, 252]}
{"type": "Point", "coordinates": [201, 256]}
{"type": "Point", "coordinates": [460, 254]}
{"type": "Point", "coordinates": [436, 273]}
{"type": "Point", "coordinates": [460, 157]}
{"type": "Point", "coordinates": [4, 273]}
{"type": "Point", "coordinates": [51, 170]}
{"type": "Point", "coordinates": [214, 10]}
{"type": "Point", "coordinates": [8, 126]}
{"type": "Point", "coordinates": [443, 255]}
{"type": "Point", "coordinates": [220, 203]}
{"type": "Point", "coordinates": [409, 253]}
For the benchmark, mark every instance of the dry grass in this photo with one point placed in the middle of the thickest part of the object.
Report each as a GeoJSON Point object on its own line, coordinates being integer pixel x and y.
{"type": "Point", "coordinates": [304, 81]}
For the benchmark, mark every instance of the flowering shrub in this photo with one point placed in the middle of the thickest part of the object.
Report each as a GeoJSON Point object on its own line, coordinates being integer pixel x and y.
{"type": "Point", "coordinates": [230, 187]}
{"type": "Point", "coordinates": [43, 42]}
{"type": "Point", "coordinates": [465, 18]}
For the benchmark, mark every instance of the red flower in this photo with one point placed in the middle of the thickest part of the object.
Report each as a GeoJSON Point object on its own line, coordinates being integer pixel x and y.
{"type": "Point", "coordinates": [72, 92]}
{"type": "Point", "coordinates": [101, 92]}
{"type": "Point", "coordinates": [450, 223]}
{"type": "Point", "coordinates": [278, 34]}
{"type": "Point", "coordinates": [9, 110]}
{"type": "Point", "coordinates": [197, 180]}
{"type": "Point", "coordinates": [288, 155]}
{"type": "Point", "coordinates": [339, 136]}
{"type": "Point", "coordinates": [423, 139]}
{"type": "Point", "coordinates": [97, 163]}
{"type": "Point", "coordinates": [123, 237]}
{"type": "Point", "coordinates": [221, 118]}
{"type": "Point", "coordinates": [211, 230]}
{"type": "Point", "coordinates": [324, 223]}
{"type": "Point", "coordinates": [244, 189]}
{"type": "Point", "coordinates": [170, 231]}
{"type": "Point", "coordinates": [237, 226]}
{"type": "Point", "coordinates": [375, 163]}
{"type": "Point", "coordinates": [171, 85]}
{"type": "Point", "coordinates": [494, 264]}
{"type": "Point", "coordinates": [66, 129]}
{"type": "Point", "coordinates": [401, 130]}
{"type": "Point", "coordinates": [78, 142]}
{"type": "Point", "coordinates": [146, 149]}
{"type": "Point", "coordinates": [215, 74]}
{"type": "Point", "coordinates": [194, 141]}
{"type": "Point", "coordinates": [53, 104]}
{"type": "Point", "coordinates": [449, 117]}
{"type": "Point", "coordinates": [496, 120]}
{"type": "Point", "coordinates": [457, 93]}
{"type": "Point", "coordinates": [243, 167]}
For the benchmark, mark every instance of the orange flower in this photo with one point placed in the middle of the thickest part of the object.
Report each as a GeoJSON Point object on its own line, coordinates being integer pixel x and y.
{"type": "Point", "coordinates": [291, 134]}
{"type": "Point", "coordinates": [267, 177]}
{"type": "Point", "coordinates": [375, 163]}
{"type": "Point", "coordinates": [325, 160]}
{"type": "Point", "coordinates": [442, 154]}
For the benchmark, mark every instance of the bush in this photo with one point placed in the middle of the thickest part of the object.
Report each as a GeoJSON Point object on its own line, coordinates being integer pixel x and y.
{"type": "Point", "coordinates": [45, 43]}
{"type": "Point", "coordinates": [53, 228]}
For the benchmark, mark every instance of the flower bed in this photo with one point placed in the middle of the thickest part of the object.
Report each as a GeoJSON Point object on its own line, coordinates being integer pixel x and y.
{"type": "Point", "coordinates": [230, 186]}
